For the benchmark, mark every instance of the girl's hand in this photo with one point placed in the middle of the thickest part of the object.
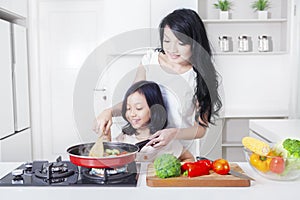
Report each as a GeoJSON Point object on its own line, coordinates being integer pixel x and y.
{"type": "Point", "coordinates": [162, 138]}
{"type": "Point", "coordinates": [103, 122]}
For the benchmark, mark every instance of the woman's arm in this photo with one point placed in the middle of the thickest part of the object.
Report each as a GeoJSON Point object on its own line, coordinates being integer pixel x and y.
{"type": "Point", "coordinates": [164, 136]}
{"type": "Point", "coordinates": [140, 74]}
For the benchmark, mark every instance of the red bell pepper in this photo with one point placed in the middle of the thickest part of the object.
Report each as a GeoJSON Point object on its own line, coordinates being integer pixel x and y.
{"type": "Point", "coordinates": [198, 168]}
{"type": "Point", "coordinates": [207, 162]}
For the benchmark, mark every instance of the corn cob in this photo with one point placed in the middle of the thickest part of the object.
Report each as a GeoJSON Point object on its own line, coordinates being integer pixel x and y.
{"type": "Point", "coordinates": [256, 146]}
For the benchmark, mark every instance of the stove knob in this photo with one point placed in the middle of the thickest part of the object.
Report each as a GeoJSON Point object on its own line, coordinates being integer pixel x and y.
{"type": "Point", "coordinates": [28, 167]}
{"type": "Point", "coordinates": [17, 172]}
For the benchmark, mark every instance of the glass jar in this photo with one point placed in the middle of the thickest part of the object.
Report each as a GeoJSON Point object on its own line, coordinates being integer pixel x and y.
{"type": "Point", "coordinates": [224, 43]}
{"type": "Point", "coordinates": [243, 43]}
{"type": "Point", "coordinates": [263, 43]}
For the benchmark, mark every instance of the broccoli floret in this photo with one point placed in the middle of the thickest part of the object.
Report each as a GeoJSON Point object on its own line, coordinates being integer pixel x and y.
{"type": "Point", "coordinates": [167, 165]}
{"type": "Point", "coordinates": [292, 146]}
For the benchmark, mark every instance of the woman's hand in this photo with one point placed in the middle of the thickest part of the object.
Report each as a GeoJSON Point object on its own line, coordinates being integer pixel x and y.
{"type": "Point", "coordinates": [163, 137]}
{"type": "Point", "coordinates": [103, 122]}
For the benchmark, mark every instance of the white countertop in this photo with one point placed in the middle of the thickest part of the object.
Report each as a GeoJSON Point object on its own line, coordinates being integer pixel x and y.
{"type": "Point", "coordinates": [276, 130]}
{"type": "Point", "coordinates": [259, 189]}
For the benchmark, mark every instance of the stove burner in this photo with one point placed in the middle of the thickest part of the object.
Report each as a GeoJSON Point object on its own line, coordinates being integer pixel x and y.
{"type": "Point", "coordinates": [124, 174]}
{"type": "Point", "coordinates": [54, 170]}
{"type": "Point", "coordinates": [109, 171]}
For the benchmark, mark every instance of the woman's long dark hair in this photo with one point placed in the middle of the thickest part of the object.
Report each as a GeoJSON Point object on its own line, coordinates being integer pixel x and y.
{"type": "Point", "coordinates": [158, 114]}
{"type": "Point", "coordinates": [189, 29]}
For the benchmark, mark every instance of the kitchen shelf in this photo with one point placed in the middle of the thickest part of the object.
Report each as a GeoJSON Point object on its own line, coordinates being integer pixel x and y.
{"type": "Point", "coordinates": [216, 21]}
{"type": "Point", "coordinates": [232, 144]}
{"type": "Point", "coordinates": [244, 21]}
{"type": "Point", "coordinates": [12, 17]}
{"type": "Point", "coordinates": [250, 53]}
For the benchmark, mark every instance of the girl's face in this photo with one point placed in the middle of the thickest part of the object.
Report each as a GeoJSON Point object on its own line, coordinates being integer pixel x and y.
{"type": "Point", "coordinates": [175, 50]}
{"type": "Point", "coordinates": [138, 111]}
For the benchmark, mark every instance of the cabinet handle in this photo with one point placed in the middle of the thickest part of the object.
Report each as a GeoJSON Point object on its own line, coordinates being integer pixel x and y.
{"type": "Point", "coordinates": [100, 89]}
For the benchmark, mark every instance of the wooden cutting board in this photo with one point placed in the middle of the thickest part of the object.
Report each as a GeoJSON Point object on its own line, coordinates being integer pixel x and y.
{"type": "Point", "coordinates": [211, 180]}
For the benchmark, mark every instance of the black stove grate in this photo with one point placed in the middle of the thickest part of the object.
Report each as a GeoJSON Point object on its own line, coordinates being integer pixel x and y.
{"type": "Point", "coordinates": [32, 174]}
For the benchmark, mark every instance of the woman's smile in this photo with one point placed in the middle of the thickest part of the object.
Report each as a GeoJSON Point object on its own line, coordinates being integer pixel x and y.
{"type": "Point", "coordinates": [135, 122]}
{"type": "Point", "coordinates": [173, 56]}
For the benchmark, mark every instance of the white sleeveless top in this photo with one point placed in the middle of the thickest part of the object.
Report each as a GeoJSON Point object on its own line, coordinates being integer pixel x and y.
{"type": "Point", "coordinates": [177, 91]}
{"type": "Point", "coordinates": [149, 153]}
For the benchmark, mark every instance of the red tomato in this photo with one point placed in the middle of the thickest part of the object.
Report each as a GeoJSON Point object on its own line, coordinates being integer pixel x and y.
{"type": "Point", "coordinates": [277, 165]}
{"type": "Point", "coordinates": [221, 166]}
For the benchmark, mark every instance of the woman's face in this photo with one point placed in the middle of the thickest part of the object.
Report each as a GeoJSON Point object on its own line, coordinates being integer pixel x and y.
{"type": "Point", "coordinates": [137, 111]}
{"type": "Point", "coordinates": [175, 50]}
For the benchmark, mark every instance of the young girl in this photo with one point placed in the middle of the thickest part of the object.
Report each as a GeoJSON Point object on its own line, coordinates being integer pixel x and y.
{"type": "Point", "coordinates": [145, 112]}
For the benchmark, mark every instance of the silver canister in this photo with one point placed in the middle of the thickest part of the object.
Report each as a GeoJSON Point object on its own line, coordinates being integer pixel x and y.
{"type": "Point", "coordinates": [243, 43]}
{"type": "Point", "coordinates": [224, 43]}
{"type": "Point", "coordinates": [263, 43]}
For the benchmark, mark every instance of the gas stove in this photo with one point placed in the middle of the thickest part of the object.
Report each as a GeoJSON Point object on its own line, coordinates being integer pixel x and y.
{"type": "Point", "coordinates": [65, 173]}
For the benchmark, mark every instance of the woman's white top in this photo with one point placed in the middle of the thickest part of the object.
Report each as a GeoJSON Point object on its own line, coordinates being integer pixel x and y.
{"type": "Point", "coordinates": [149, 153]}
{"type": "Point", "coordinates": [177, 91]}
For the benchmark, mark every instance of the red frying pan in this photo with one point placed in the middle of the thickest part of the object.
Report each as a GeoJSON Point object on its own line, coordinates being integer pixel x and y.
{"type": "Point", "coordinates": [79, 154]}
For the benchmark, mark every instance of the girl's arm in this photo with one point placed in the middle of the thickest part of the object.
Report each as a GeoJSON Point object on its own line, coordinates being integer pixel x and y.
{"type": "Point", "coordinates": [103, 121]}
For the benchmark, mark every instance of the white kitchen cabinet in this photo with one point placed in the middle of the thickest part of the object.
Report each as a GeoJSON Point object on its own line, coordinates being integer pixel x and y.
{"type": "Point", "coordinates": [15, 7]}
{"type": "Point", "coordinates": [20, 66]}
{"type": "Point", "coordinates": [275, 130]}
{"type": "Point", "coordinates": [233, 132]}
{"type": "Point", "coordinates": [6, 88]}
{"type": "Point", "coordinates": [15, 135]}
{"type": "Point", "coordinates": [16, 148]}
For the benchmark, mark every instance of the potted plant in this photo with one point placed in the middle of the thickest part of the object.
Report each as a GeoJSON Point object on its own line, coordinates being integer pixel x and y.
{"type": "Point", "coordinates": [224, 6]}
{"type": "Point", "coordinates": [261, 7]}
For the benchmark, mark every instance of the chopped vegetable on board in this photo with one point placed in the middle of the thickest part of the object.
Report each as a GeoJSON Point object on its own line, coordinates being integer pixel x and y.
{"type": "Point", "coordinates": [167, 165]}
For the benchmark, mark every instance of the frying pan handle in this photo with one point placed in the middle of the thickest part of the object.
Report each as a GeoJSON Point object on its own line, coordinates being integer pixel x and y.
{"type": "Point", "coordinates": [142, 144]}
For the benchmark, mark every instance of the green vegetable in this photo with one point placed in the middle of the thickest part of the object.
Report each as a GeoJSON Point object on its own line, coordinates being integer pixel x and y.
{"type": "Point", "coordinates": [292, 146]}
{"type": "Point", "coordinates": [167, 165]}
{"type": "Point", "coordinates": [289, 149]}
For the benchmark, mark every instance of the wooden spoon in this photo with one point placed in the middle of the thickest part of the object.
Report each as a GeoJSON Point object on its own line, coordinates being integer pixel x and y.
{"type": "Point", "coordinates": [97, 150]}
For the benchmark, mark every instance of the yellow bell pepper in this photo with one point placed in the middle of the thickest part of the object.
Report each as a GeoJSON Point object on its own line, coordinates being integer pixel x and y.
{"type": "Point", "coordinates": [262, 163]}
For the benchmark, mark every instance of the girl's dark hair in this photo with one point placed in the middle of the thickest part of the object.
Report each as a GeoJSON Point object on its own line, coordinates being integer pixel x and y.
{"type": "Point", "coordinates": [189, 29]}
{"type": "Point", "coordinates": [152, 93]}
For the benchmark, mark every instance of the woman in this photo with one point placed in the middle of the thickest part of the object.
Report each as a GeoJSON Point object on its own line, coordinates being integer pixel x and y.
{"type": "Point", "coordinates": [144, 110]}
{"type": "Point", "coordinates": [184, 60]}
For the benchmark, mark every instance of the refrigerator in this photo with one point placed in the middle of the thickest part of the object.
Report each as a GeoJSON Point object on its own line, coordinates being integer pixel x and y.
{"type": "Point", "coordinates": [15, 132]}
